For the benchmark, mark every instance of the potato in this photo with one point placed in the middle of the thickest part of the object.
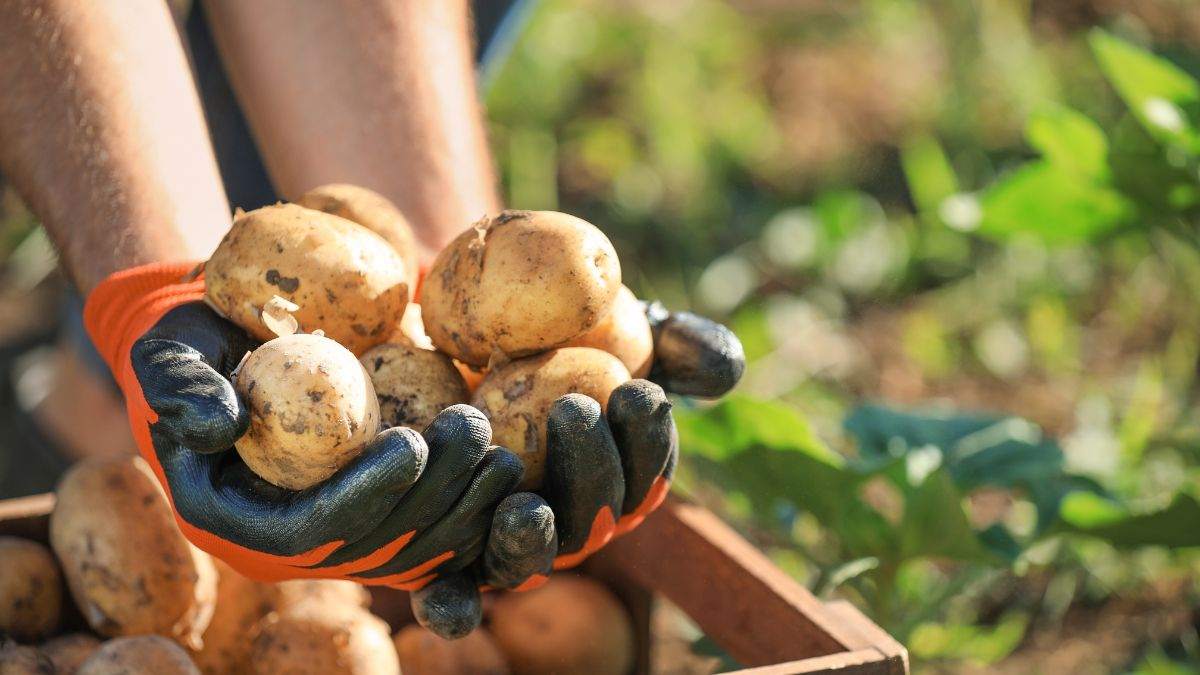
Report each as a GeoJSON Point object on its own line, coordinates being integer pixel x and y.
{"type": "Point", "coordinates": [516, 397]}
{"type": "Point", "coordinates": [374, 212]}
{"type": "Point", "coordinates": [625, 333]}
{"type": "Point", "coordinates": [572, 624]}
{"type": "Point", "coordinates": [19, 660]}
{"type": "Point", "coordinates": [138, 655]}
{"type": "Point", "coordinates": [241, 602]}
{"type": "Point", "coordinates": [312, 410]}
{"type": "Point", "coordinates": [517, 284]}
{"type": "Point", "coordinates": [127, 565]}
{"type": "Point", "coordinates": [347, 281]}
{"type": "Point", "coordinates": [413, 384]}
{"type": "Point", "coordinates": [68, 652]}
{"type": "Point", "coordinates": [328, 591]}
{"type": "Point", "coordinates": [30, 589]}
{"type": "Point", "coordinates": [424, 653]}
{"type": "Point", "coordinates": [323, 639]}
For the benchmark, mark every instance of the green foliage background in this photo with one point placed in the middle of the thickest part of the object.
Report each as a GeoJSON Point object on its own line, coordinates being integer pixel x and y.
{"type": "Point", "coordinates": [959, 240]}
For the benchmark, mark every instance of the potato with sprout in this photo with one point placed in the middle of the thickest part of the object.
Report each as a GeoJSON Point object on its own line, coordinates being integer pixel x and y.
{"type": "Point", "coordinates": [344, 279]}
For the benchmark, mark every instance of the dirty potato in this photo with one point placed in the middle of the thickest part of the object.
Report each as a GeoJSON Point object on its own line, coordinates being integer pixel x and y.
{"type": "Point", "coordinates": [312, 410]}
{"type": "Point", "coordinates": [519, 283]}
{"type": "Point", "coordinates": [126, 563]}
{"type": "Point", "coordinates": [139, 654]}
{"type": "Point", "coordinates": [625, 333]}
{"type": "Point", "coordinates": [323, 638]}
{"type": "Point", "coordinates": [572, 624]}
{"type": "Point", "coordinates": [241, 602]}
{"type": "Point", "coordinates": [68, 652]}
{"type": "Point", "coordinates": [329, 591]}
{"type": "Point", "coordinates": [413, 384]}
{"type": "Point", "coordinates": [374, 212]}
{"type": "Point", "coordinates": [516, 398]}
{"type": "Point", "coordinates": [346, 280]}
{"type": "Point", "coordinates": [30, 589]}
{"type": "Point", "coordinates": [424, 653]}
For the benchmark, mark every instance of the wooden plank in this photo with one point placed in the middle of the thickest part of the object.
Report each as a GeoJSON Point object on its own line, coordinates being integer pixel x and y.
{"type": "Point", "coordinates": [730, 589]}
{"type": "Point", "coordinates": [860, 662]}
{"type": "Point", "coordinates": [869, 635]}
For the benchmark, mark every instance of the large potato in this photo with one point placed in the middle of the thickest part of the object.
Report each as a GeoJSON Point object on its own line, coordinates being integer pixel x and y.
{"type": "Point", "coordinates": [413, 384]}
{"type": "Point", "coordinates": [374, 212]}
{"type": "Point", "coordinates": [30, 589]}
{"type": "Point", "coordinates": [517, 284]}
{"type": "Point", "coordinates": [424, 653]}
{"type": "Point", "coordinates": [516, 398]}
{"type": "Point", "coordinates": [323, 639]}
{"type": "Point", "coordinates": [572, 624]}
{"type": "Point", "coordinates": [346, 279]}
{"type": "Point", "coordinates": [141, 654]}
{"type": "Point", "coordinates": [625, 333]}
{"type": "Point", "coordinates": [127, 565]}
{"type": "Point", "coordinates": [68, 652]}
{"type": "Point", "coordinates": [312, 410]}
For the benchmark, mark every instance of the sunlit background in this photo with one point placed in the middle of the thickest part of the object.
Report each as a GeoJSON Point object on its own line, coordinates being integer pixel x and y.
{"type": "Point", "coordinates": [960, 240]}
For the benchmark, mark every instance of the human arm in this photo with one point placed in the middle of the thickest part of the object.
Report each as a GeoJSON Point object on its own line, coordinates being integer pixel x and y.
{"type": "Point", "coordinates": [379, 94]}
{"type": "Point", "coordinates": [102, 134]}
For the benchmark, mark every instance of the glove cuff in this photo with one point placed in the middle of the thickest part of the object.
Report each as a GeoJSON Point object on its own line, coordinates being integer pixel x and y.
{"type": "Point", "coordinates": [127, 303]}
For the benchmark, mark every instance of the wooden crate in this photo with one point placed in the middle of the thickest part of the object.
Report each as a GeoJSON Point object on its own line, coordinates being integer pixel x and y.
{"type": "Point", "coordinates": [685, 554]}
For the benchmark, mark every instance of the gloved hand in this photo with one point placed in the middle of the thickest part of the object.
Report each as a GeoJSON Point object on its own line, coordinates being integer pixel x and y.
{"type": "Point", "coordinates": [410, 509]}
{"type": "Point", "coordinates": [606, 472]}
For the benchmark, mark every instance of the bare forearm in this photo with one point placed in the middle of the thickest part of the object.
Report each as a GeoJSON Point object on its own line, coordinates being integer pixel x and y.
{"type": "Point", "coordinates": [378, 93]}
{"type": "Point", "coordinates": [102, 133]}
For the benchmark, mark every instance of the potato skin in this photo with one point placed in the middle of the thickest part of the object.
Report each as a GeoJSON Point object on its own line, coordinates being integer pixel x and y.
{"type": "Point", "coordinates": [126, 563]}
{"type": "Point", "coordinates": [625, 333]}
{"type": "Point", "coordinates": [424, 653]}
{"type": "Point", "coordinates": [374, 212]}
{"type": "Point", "coordinates": [519, 283]}
{"type": "Point", "coordinates": [572, 624]}
{"type": "Point", "coordinates": [516, 398]}
{"type": "Point", "coordinates": [347, 281]}
{"type": "Point", "coordinates": [68, 652]}
{"type": "Point", "coordinates": [139, 654]}
{"type": "Point", "coordinates": [18, 659]}
{"type": "Point", "coordinates": [323, 639]}
{"type": "Point", "coordinates": [30, 589]}
{"type": "Point", "coordinates": [413, 384]}
{"type": "Point", "coordinates": [241, 602]}
{"type": "Point", "coordinates": [329, 591]}
{"type": "Point", "coordinates": [312, 410]}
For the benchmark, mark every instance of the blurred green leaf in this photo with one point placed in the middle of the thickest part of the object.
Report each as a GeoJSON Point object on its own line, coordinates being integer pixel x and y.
{"type": "Point", "coordinates": [740, 422]}
{"type": "Point", "coordinates": [1176, 526]}
{"type": "Point", "coordinates": [1069, 140]}
{"type": "Point", "coordinates": [1052, 203]}
{"type": "Point", "coordinates": [934, 523]}
{"type": "Point", "coordinates": [930, 177]}
{"type": "Point", "coordinates": [981, 644]}
{"type": "Point", "coordinates": [1164, 98]}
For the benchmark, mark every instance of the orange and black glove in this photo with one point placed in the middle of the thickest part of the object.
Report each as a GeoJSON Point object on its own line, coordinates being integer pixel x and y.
{"type": "Point", "coordinates": [606, 472]}
{"type": "Point", "coordinates": [409, 510]}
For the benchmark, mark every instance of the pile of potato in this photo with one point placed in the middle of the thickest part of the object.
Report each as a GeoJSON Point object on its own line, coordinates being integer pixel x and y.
{"type": "Point", "coordinates": [520, 309]}
{"type": "Point", "coordinates": [119, 591]}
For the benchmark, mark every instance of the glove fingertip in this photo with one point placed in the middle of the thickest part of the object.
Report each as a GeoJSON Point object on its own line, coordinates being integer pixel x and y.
{"type": "Point", "coordinates": [695, 356]}
{"type": "Point", "coordinates": [449, 606]}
